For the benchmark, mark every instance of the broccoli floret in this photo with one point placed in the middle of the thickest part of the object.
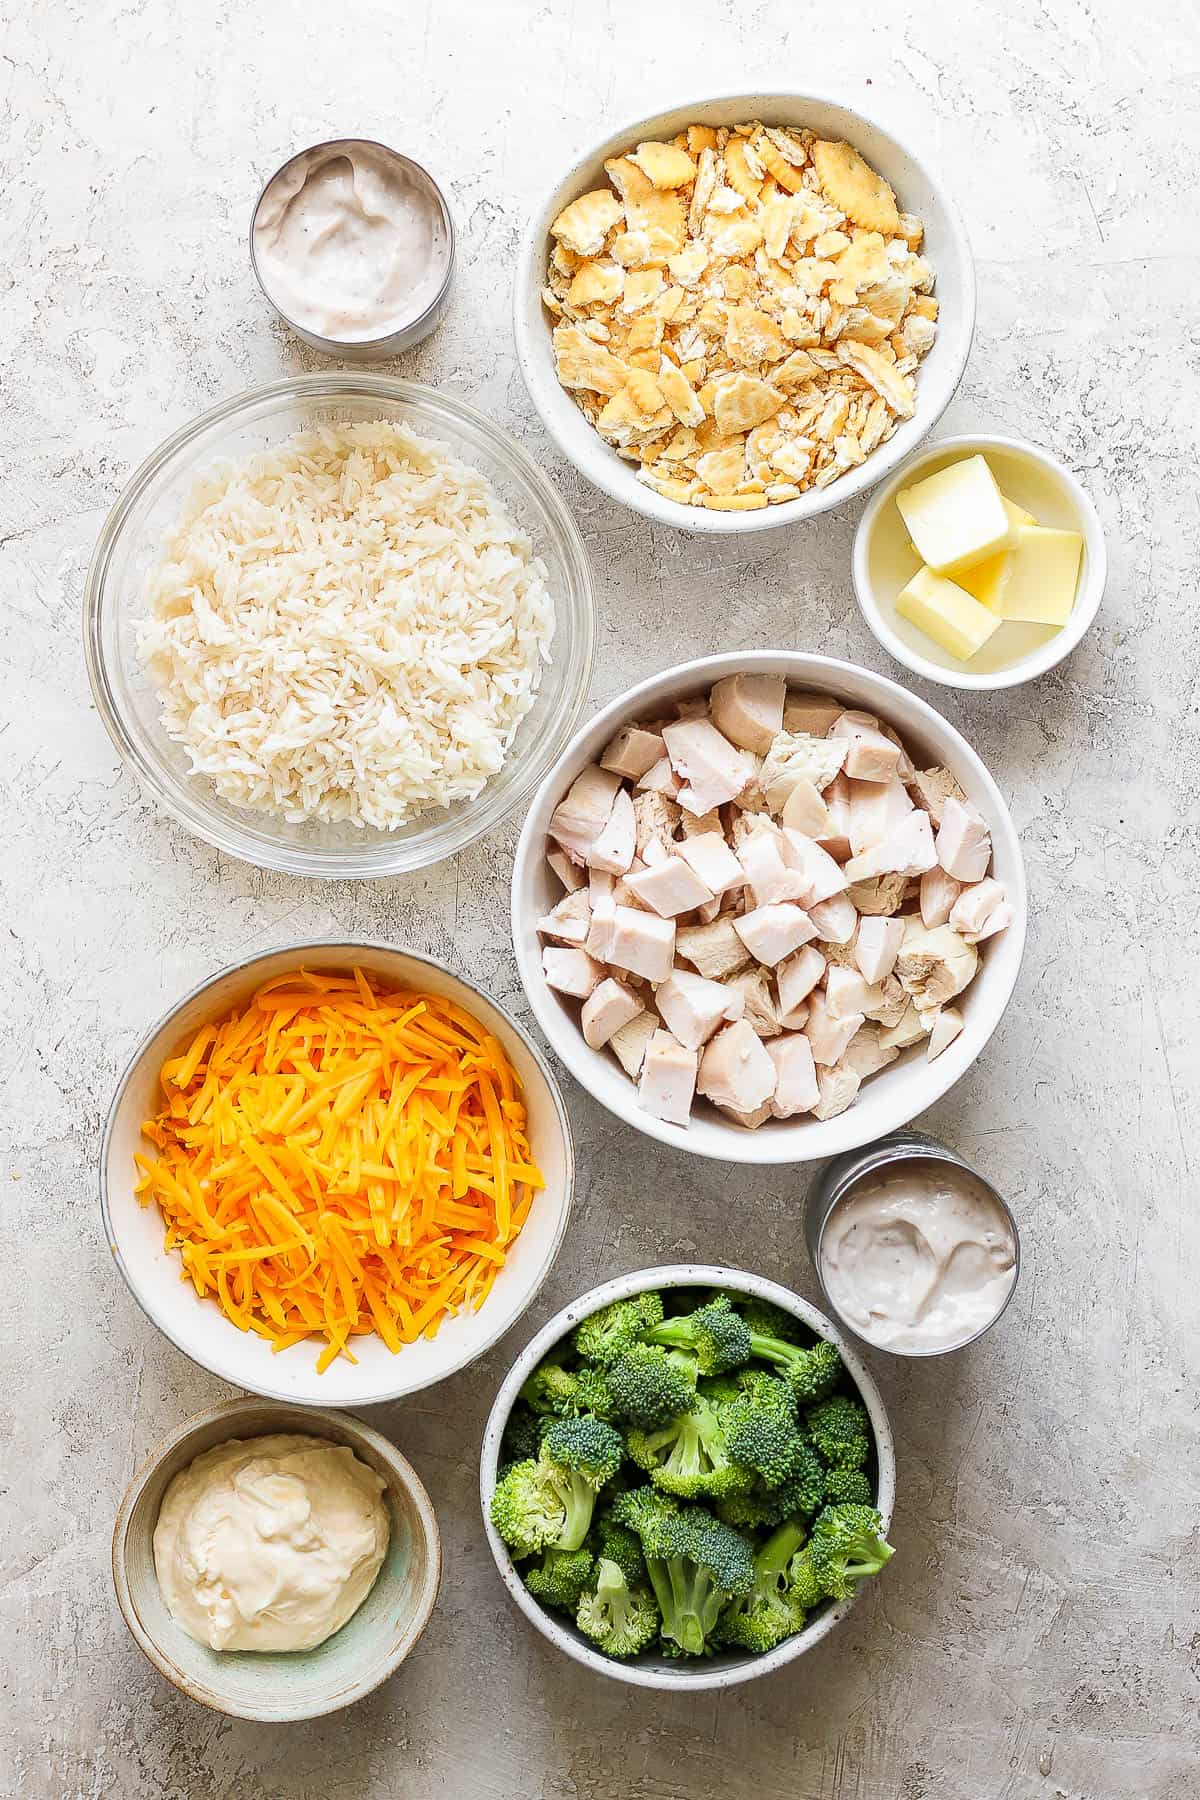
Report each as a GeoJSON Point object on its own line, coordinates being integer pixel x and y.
{"type": "Point", "coordinates": [620, 1545]}
{"type": "Point", "coordinates": [689, 1456]}
{"type": "Point", "coordinates": [765, 1320]}
{"type": "Point", "coordinates": [650, 1385]}
{"type": "Point", "coordinates": [762, 1618]}
{"type": "Point", "coordinates": [719, 1389]}
{"type": "Point", "coordinates": [696, 1565]}
{"type": "Point", "coordinates": [560, 1578]}
{"type": "Point", "coordinates": [604, 1337]}
{"type": "Point", "coordinates": [522, 1437]}
{"type": "Point", "coordinates": [761, 1427]}
{"type": "Point", "coordinates": [811, 1373]}
{"type": "Point", "coordinates": [550, 1389]}
{"type": "Point", "coordinates": [847, 1545]}
{"type": "Point", "coordinates": [619, 1616]}
{"type": "Point", "coordinates": [804, 1589]}
{"type": "Point", "coordinates": [578, 1457]}
{"type": "Point", "coordinates": [714, 1333]}
{"type": "Point", "coordinates": [841, 1431]}
{"type": "Point", "coordinates": [848, 1487]}
{"type": "Point", "coordinates": [528, 1509]}
{"type": "Point", "coordinates": [755, 1510]}
{"type": "Point", "coordinates": [802, 1492]}
{"type": "Point", "coordinates": [593, 1395]}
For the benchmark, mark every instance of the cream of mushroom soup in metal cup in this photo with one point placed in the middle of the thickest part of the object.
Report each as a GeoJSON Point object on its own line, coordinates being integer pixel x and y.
{"type": "Point", "coordinates": [353, 245]}
{"type": "Point", "coordinates": [915, 1251]}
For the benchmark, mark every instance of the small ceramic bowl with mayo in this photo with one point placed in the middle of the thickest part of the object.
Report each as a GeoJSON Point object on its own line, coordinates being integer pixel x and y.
{"type": "Point", "coordinates": [353, 245]}
{"type": "Point", "coordinates": [276, 1562]}
{"type": "Point", "coordinates": [914, 1249]}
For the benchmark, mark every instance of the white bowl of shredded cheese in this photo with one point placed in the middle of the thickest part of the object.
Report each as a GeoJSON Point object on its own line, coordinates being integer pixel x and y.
{"type": "Point", "coordinates": [339, 626]}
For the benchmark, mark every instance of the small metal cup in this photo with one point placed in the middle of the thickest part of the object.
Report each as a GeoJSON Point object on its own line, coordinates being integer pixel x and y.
{"type": "Point", "coordinates": [838, 1177]}
{"type": "Point", "coordinates": [368, 349]}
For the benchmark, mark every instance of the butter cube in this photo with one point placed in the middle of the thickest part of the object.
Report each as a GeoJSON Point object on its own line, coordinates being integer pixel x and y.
{"type": "Point", "coordinates": [956, 518]}
{"type": "Point", "coordinates": [1042, 576]}
{"type": "Point", "coordinates": [946, 613]}
{"type": "Point", "coordinates": [988, 579]}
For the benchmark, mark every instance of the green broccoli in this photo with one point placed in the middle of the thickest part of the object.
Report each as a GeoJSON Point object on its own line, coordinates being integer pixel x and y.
{"type": "Point", "coordinates": [618, 1544]}
{"type": "Point", "coordinates": [761, 1427]}
{"type": "Point", "coordinates": [848, 1486]}
{"type": "Point", "coordinates": [714, 1333]}
{"type": "Point", "coordinates": [593, 1395]}
{"type": "Point", "coordinates": [604, 1337]}
{"type": "Point", "coordinates": [811, 1373]}
{"type": "Point", "coordinates": [528, 1509]}
{"type": "Point", "coordinates": [619, 1616]}
{"type": "Point", "coordinates": [522, 1439]}
{"type": "Point", "coordinates": [578, 1457]}
{"type": "Point", "coordinates": [841, 1431]}
{"type": "Point", "coordinates": [765, 1320]}
{"type": "Point", "coordinates": [689, 1456]}
{"type": "Point", "coordinates": [802, 1492]}
{"type": "Point", "coordinates": [696, 1565]}
{"type": "Point", "coordinates": [804, 1590]}
{"type": "Point", "coordinates": [650, 1385]}
{"type": "Point", "coordinates": [560, 1578]}
{"type": "Point", "coordinates": [847, 1545]}
{"type": "Point", "coordinates": [762, 1618]}
{"type": "Point", "coordinates": [550, 1389]}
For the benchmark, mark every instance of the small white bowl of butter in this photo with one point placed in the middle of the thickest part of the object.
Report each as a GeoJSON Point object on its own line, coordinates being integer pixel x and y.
{"type": "Point", "coordinates": [299, 1541]}
{"type": "Point", "coordinates": [1046, 510]}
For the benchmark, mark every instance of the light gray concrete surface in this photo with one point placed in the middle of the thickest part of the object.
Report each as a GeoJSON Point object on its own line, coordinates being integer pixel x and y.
{"type": "Point", "coordinates": [1037, 1636]}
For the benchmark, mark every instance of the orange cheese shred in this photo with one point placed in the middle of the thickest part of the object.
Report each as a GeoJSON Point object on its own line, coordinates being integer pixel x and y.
{"type": "Point", "coordinates": [336, 1159]}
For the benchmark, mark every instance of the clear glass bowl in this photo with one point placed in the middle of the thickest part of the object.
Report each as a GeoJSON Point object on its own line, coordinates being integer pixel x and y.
{"type": "Point", "coordinates": [131, 540]}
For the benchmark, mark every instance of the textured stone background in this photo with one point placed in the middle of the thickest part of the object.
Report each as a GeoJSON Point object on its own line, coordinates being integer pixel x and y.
{"type": "Point", "coordinates": [1038, 1635]}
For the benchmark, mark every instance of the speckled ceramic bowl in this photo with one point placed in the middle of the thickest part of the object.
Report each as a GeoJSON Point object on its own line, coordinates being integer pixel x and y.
{"type": "Point", "coordinates": [651, 1670]}
{"type": "Point", "coordinates": [302, 1684]}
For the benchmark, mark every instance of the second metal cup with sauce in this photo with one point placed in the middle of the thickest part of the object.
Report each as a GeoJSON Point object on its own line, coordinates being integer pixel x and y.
{"type": "Point", "coordinates": [838, 1180]}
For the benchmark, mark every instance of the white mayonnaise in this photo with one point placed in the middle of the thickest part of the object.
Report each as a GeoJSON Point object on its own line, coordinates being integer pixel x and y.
{"type": "Point", "coordinates": [349, 244]}
{"type": "Point", "coordinates": [270, 1543]}
{"type": "Point", "coordinates": [919, 1258]}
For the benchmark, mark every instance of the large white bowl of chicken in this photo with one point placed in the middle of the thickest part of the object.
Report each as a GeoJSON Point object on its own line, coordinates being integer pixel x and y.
{"type": "Point", "coordinates": [768, 906]}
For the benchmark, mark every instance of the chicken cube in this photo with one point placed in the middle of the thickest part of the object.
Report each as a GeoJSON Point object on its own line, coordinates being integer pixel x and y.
{"type": "Point", "coordinates": [762, 855]}
{"type": "Point", "coordinates": [890, 1003]}
{"type": "Point", "coordinates": [735, 1070]}
{"type": "Point", "coordinates": [932, 788]}
{"type": "Point", "coordinates": [819, 876]}
{"type": "Point", "coordinates": [633, 752]}
{"type": "Point", "coordinates": [568, 872]}
{"type": "Point", "coordinates": [875, 946]}
{"type": "Point", "coordinates": [796, 1089]}
{"type": "Point", "coordinates": [607, 1008]}
{"type": "Point", "coordinates": [805, 811]}
{"type": "Point", "coordinates": [668, 1079]}
{"type": "Point", "coordinates": [866, 1055]}
{"type": "Point", "coordinates": [642, 943]}
{"type": "Point", "coordinates": [670, 887]}
{"type": "Point", "coordinates": [876, 808]}
{"type": "Point", "coordinates": [701, 824]}
{"type": "Point", "coordinates": [946, 1027]}
{"type": "Point", "coordinates": [908, 849]}
{"type": "Point", "coordinates": [838, 1090]}
{"type": "Point", "coordinates": [748, 1121]}
{"type": "Point", "coordinates": [772, 932]}
{"type": "Point", "coordinates": [660, 779]}
{"type": "Point", "coordinates": [964, 846]}
{"type": "Point", "coordinates": [600, 930]}
{"type": "Point", "coordinates": [827, 1034]}
{"type": "Point", "coordinates": [692, 1007]}
{"type": "Point", "coordinates": [812, 714]}
{"type": "Point", "coordinates": [569, 921]}
{"type": "Point", "coordinates": [613, 850]}
{"type": "Point", "coordinates": [716, 949]}
{"type": "Point", "coordinates": [974, 906]}
{"type": "Point", "coordinates": [748, 709]}
{"type": "Point", "coordinates": [933, 966]}
{"type": "Point", "coordinates": [582, 813]}
{"type": "Point", "coordinates": [880, 895]}
{"type": "Point", "coordinates": [750, 994]}
{"type": "Point", "coordinates": [939, 892]}
{"type": "Point", "coordinates": [657, 816]}
{"type": "Point", "coordinates": [870, 756]}
{"type": "Point", "coordinates": [910, 1028]}
{"type": "Point", "coordinates": [713, 861]}
{"type": "Point", "coordinates": [795, 756]}
{"type": "Point", "coordinates": [835, 839]}
{"type": "Point", "coordinates": [629, 1043]}
{"type": "Point", "coordinates": [709, 910]}
{"type": "Point", "coordinates": [835, 919]}
{"type": "Point", "coordinates": [571, 971]}
{"type": "Point", "coordinates": [846, 992]}
{"type": "Point", "coordinates": [713, 770]}
{"type": "Point", "coordinates": [795, 979]}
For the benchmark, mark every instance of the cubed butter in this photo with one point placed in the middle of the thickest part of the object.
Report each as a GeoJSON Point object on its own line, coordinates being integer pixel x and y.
{"type": "Point", "coordinates": [987, 579]}
{"type": "Point", "coordinates": [1043, 574]}
{"type": "Point", "coordinates": [946, 613]}
{"type": "Point", "coordinates": [956, 518]}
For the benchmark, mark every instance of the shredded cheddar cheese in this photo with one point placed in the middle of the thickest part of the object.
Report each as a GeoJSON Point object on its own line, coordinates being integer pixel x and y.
{"type": "Point", "coordinates": [335, 1159]}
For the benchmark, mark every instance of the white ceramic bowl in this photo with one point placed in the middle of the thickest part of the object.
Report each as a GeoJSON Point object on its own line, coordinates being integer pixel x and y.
{"type": "Point", "coordinates": [301, 1684]}
{"type": "Point", "coordinates": [919, 191]}
{"type": "Point", "coordinates": [884, 561]}
{"type": "Point", "coordinates": [907, 1086]}
{"type": "Point", "coordinates": [651, 1670]}
{"type": "Point", "coordinates": [199, 1328]}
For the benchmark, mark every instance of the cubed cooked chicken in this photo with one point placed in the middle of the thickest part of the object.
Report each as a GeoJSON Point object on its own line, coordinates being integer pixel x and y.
{"type": "Point", "coordinates": [759, 903]}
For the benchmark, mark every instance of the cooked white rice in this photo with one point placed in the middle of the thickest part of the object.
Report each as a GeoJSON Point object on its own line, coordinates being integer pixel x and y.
{"type": "Point", "coordinates": [347, 628]}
